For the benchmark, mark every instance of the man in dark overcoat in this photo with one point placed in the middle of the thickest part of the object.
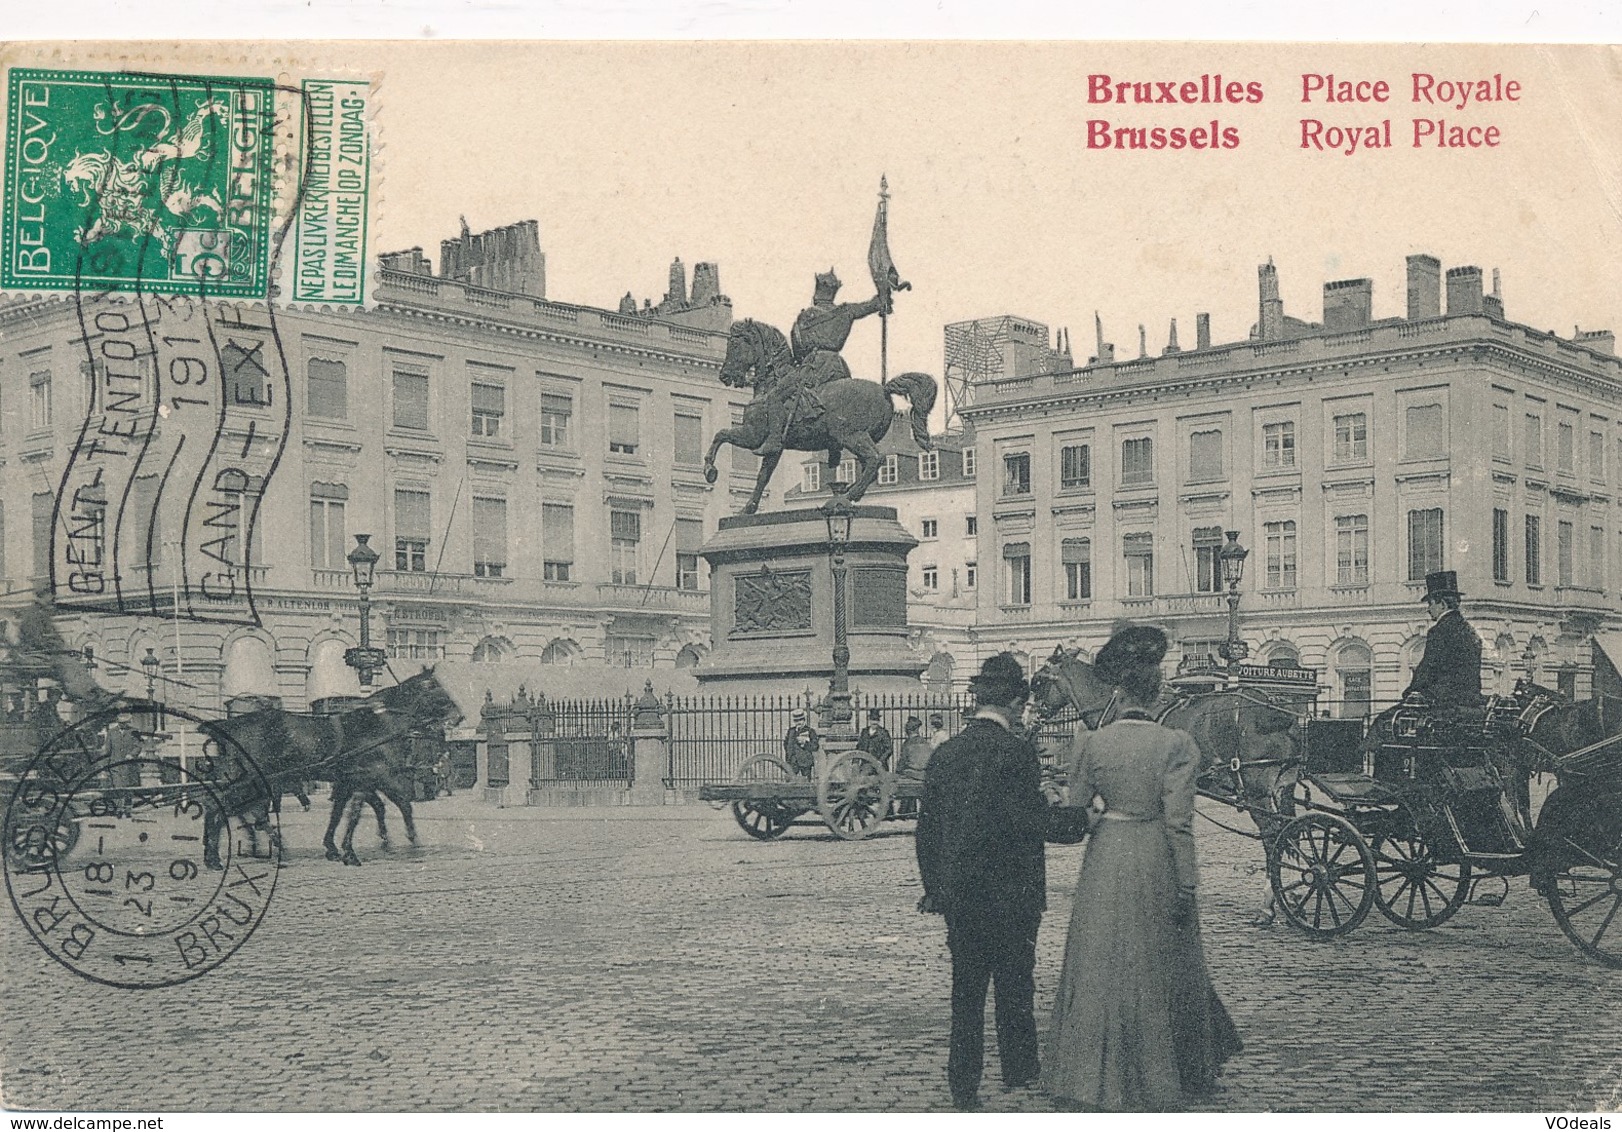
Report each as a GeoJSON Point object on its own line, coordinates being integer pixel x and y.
{"type": "Point", "coordinates": [875, 739]}
{"type": "Point", "coordinates": [1449, 672]}
{"type": "Point", "coordinates": [983, 864]}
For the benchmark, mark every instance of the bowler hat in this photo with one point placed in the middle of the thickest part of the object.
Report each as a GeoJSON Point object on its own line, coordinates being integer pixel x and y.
{"type": "Point", "coordinates": [1000, 679]}
{"type": "Point", "coordinates": [1442, 583]}
{"type": "Point", "coordinates": [874, 714]}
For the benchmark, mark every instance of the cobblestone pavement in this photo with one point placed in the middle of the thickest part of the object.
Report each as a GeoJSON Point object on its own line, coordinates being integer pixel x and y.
{"type": "Point", "coordinates": [657, 959]}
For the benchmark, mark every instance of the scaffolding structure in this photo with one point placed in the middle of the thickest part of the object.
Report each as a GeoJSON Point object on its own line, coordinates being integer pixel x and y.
{"type": "Point", "coordinates": [994, 349]}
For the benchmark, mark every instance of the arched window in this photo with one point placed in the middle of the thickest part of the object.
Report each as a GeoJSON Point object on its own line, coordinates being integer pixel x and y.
{"type": "Point", "coordinates": [560, 651]}
{"type": "Point", "coordinates": [491, 648]}
{"type": "Point", "coordinates": [250, 669]}
{"type": "Point", "coordinates": [1282, 654]}
{"type": "Point", "coordinates": [938, 676]}
{"type": "Point", "coordinates": [1354, 678]}
{"type": "Point", "coordinates": [689, 656]}
{"type": "Point", "coordinates": [329, 675]}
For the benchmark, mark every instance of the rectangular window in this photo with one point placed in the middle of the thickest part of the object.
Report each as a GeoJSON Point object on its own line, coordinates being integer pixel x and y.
{"type": "Point", "coordinates": [969, 466]}
{"type": "Point", "coordinates": [329, 540]}
{"type": "Point", "coordinates": [557, 542]}
{"type": "Point", "coordinates": [629, 652]}
{"type": "Point", "coordinates": [1500, 545]}
{"type": "Point", "coordinates": [929, 466]}
{"type": "Point", "coordinates": [489, 537]}
{"type": "Point", "coordinates": [624, 430]}
{"type": "Point", "coordinates": [1534, 440]}
{"type": "Point", "coordinates": [1424, 432]}
{"type": "Point", "coordinates": [811, 477]}
{"type": "Point", "coordinates": [1596, 457]}
{"type": "Point", "coordinates": [971, 525]}
{"type": "Point", "coordinates": [557, 409]}
{"type": "Point", "coordinates": [1351, 438]}
{"type": "Point", "coordinates": [1424, 543]}
{"type": "Point", "coordinates": [410, 400]}
{"type": "Point", "coordinates": [1281, 561]}
{"type": "Point", "coordinates": [1139, 550]}
{"type": "Point", "coordinates": [328, 389]}
{"type": "Point", "coordinates": [39, 400]}
{"type": "Point", "coordinates": [932, 578]}
{"type": "Point", "coordinates": [1278, 445]}
{"type": "Point", "coordinates": [689, 563]}
{"type": "Point", "coordinates": [411, 529]}
{"type": "Point", "coordinates": [230, 527]}
{"type": "Point", "coordinates": [1357, 688]}
{"type": "Point", "coordinates": [847, 471]}
{"type": "Point", "coordinates": [1016, 473]}
{"type": "Point", "coordinates": [1017, 559]}
{"type": "Point", "coordinates": [1564, 536]}
{"type": "Point", "coordinates": [416, 644]}
{"type": "Point", "coordinates": [932, 528]}
{"type": "Point", "coordinates": [1138, 461]}
{"type": "Point", "coordinates": [1596, 557]}
{"type": "Point", "coordinates": [1351, 550]}
{"type": "Point", "coordinates": [689, 438]}
{"type": "Point", "coordinates": [625, 541]}
{"type": "Point", "coordinates": [246, 380]}
{"type": "Point", "coordinates": [1207, 566]}
{"type": "Point", "coordinates": [41, 506]}
{"type": "Point", "coordinates": [971, 575]}
{"type": "Point", "coordinates": [489, 406]}
{"type": "Point", "coordinates": [1566, 447]}
{"type": "Point", "coordinates": [889, 469]}
{"type": "Point", "coordinates": [1534, 550]}
{"type": "Point", "coordinates": [1500, 432]}
{"type": "Point", "coordinates": [1075, 466]}
{"type": "Point", "coordinates": [1076, 555]}
{"type": "Point", "coordinates": [145, 519]}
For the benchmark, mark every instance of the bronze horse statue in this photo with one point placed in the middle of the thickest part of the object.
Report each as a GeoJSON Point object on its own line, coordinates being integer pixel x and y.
{"type": "Point", "coordinates": [364, 752]}
{"type": "Point", "coordinates": [855, 414]}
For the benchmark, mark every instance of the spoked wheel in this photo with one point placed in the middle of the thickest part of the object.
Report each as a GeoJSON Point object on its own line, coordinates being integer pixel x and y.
{"type": "Point", "coordinates": [41, 842]}
{"type": "Point", "coordinates": [1413, 889]}
{"type": "Point", "coordinates": [854, 794]}
{"type": "Point", "coordinates": [764, 819]}
{"type": "Point", "coordinates": [1586, 899]}
{"type": "Point", "coordinates": [1322, 874]}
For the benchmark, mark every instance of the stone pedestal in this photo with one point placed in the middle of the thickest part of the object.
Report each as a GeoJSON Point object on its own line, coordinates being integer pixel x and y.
{"type": "Point", "coordinates": [771, 604]}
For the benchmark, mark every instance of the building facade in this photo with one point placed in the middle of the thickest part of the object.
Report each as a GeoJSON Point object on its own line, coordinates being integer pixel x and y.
{"type": "Point", "coordinates": [530, 471]}
{"type": "Point", "coordinates": [1353, 455]}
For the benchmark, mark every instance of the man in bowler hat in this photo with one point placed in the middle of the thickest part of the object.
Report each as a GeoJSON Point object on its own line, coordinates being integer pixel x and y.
{"type": "Point", "coordinates": [1449, 673]}
{"type": "Point", "coordinates": [982, 861]}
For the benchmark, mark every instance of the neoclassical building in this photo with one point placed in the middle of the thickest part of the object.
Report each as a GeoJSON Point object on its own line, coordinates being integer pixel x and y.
{"type": "Point", "coordinates": [529, 470]}
{"type": "Point", "coordinates": [1353, 455]}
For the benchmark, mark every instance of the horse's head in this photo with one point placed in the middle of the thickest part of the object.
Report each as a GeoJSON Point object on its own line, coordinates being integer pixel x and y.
{"type": "Point", "coordinates": [424, 699]}
{"type": "Point", "coordinates": [755, 354]}
{"type": "Point", "coordinates": [1067, 681]}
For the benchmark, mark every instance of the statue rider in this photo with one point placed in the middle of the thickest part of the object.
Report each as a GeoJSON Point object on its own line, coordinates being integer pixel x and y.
{"type": "Point", "coordinates": [818, 335]}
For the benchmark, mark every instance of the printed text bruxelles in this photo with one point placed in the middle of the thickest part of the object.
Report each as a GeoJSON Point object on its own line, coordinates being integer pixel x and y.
{"type": "Point", "coordinates": [1206, 90]}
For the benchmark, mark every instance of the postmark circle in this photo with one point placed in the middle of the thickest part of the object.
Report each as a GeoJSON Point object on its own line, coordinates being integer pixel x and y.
{"type": "Point", "coordinates": [107, 860]}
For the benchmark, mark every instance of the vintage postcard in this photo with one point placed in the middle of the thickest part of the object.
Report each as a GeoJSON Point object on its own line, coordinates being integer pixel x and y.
{"type": "Point", "coordinates": [810, 577]}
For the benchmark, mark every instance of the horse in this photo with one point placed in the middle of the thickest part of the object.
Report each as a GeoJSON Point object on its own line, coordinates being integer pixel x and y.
{"type": "Point", "coordinates": [1248, 751]}
{"type": "Point", "coordinates": [857, 413]}
{"type": "Point", "coordinates": [364, 753]}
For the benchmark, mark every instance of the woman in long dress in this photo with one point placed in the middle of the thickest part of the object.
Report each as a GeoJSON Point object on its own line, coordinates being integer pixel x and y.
{"type": "Point", "coordinates": [1136, 1024]}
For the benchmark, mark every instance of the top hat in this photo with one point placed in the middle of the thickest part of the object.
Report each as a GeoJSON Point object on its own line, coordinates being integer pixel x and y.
{"type": "Point", "coordinates": [874, 714]}
{"type": "Point", "coordinates": [1131, 647]}
{"type": "Point", "coordinates": [1000, 679]}
{"type": "Point", "coordinates": [1442, 583]}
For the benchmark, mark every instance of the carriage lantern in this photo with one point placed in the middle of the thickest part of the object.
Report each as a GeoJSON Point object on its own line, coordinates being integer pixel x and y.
{"type": "Point", "coordinates": [1232, 557]}
{"type": "Point", "coordinates": [363, 561]}
{"type": "Point", "coordinates": [838, 724]}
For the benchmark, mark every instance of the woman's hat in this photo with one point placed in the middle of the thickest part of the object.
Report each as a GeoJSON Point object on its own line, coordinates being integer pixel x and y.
{"type": "Point", "coordinates": [1132, 647]}
{"type": "Point", "coordinates": [1001, 679]}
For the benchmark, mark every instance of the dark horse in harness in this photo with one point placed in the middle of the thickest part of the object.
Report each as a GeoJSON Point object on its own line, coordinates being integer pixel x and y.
{"type": "Point", "coordinates": [365, 753]}
{"type": "Point", "coordinates": [854, 417]}
{"type": "Point", "coordinates": [1249, 754]}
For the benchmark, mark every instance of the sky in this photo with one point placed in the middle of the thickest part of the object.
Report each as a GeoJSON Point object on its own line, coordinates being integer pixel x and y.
{"type": "Point", "coordinates": [766, 158]}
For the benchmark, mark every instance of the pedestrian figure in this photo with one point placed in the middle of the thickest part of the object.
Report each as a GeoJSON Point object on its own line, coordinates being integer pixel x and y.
{"type": "Point", "coordinates": [982, 861]}
{"type": "Point", "coordinates": [915, 750]}
{"type": "Point", "coordinates": [937, 729]}
{"type": "Point", "coordinates": [1136, 1025]}
{"type": "Point", "coordinates": [800, 744]}
{"type": "Point", "coordinates": [875, 740]}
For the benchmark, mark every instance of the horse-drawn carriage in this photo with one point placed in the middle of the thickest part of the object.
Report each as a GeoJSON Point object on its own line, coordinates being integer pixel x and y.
{"type": "Point", "coordinates": [1436, 808]}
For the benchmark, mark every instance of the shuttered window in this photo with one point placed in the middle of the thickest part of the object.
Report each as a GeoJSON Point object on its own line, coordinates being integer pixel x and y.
{"type": "Point", "coordinates": [624, 432]}
{"type": "Point", "coordinates": [689, 569]}
{"type": "Point", "coordinates": [557, 409]}
{"type": "Point", "coordinates": [489, 406]}
{"type": "Point", "coordinates": [689, 430]}
{"type": "Point", "coordinates": [328, 538]}
{"type": "Point", "coordinates": [1139, 550]}
{"type": "Point", "coordinates": [557, 541]}
{"type": "Point", "coordinates": [411, 527]}
{"type": "Point", "coordinates": [1207, 566]}
{"type": "Point", "coordinates": [1205, 456]}
{"type": "Point", "coordinates": [410, 400]}
{"type": "Point", "coordinates": [489, 537]}
{"type": "Point", "coordinates": [328, 389]}
{"type": "Point", "coordinates": [1076, 555]}
{"type": "Point", "coordinates": [625, 538]}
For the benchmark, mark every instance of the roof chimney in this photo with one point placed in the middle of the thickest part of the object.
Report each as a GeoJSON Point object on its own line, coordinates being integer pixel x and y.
{"type": "Point", "coordinates": [1270, 324]}
{"type": "Point", "coordinates": [1348, 304]}
{"type": "Point", "coordinates": [1600, 341]}
{"type": "Point", "coordinates": [1424, 286]}
{"type": "Point", "coordinates": [1464, 291]}
{"type": "Point", "coordinates": [1202, 332]}
{"type": "Point", "coordinates": [1171, 345]}
{"type": "Point", "coordinates": [1493, 304]}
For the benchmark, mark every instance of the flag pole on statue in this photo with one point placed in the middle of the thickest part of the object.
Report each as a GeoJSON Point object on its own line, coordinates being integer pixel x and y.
{"type": "Point", "coordinates": [885, 277]}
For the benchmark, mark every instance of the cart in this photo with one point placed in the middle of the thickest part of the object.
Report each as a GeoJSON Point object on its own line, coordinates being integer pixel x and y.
{"type": "Point", "coordinates": [852, 793]}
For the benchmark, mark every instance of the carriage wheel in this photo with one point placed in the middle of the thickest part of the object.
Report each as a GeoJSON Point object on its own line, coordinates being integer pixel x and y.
{"type": "Point", "coordinates": [764, 820]}
{"type": "Point", "coordinates": [1586, 899]}
{"type": "Point", "coordinates": [1413, 889]}
{"type": "Point", "coordinates": [29, 845]}
{"type": "Point", "coordinates": [854, 794]}
{"type": "Point", "coordinates": [1322, 874]}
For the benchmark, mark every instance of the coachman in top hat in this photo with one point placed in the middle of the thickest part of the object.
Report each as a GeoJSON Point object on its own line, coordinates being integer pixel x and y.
{"type": "Point", "coordinates": [1449, 673]}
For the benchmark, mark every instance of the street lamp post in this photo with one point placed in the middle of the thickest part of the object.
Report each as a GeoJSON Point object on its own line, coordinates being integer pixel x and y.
{"type": "Point", "coordinates": [1232, 557]}
{"type": "Point", "coordinates": [363, 561]}
{"type": "Point", "coordinates": [839, 724]}
{"type": "Point", "coordinates": [149, 665]}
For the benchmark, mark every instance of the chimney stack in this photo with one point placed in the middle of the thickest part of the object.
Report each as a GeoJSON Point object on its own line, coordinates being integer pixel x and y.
{"type": "Point", "coordinates": [1493, 304]}
{"type": "Point", "coordinates": [1202, 332]}
{"type": "Point", "coordinates": [706, 283]}
{"type": "Point", "coordinates": [1270, 324]}
{"type": "Point", "coordinates": [1600, 341]}
{"type": "Point", "coordinates": [1106, 350]}
{"type": "Point", "coordinates": [1348, 305]}
{"type": "Point", "coordinates": [1424, 287]}
{"type": "Point", "coordinates": [1171, 345]}
{"type": "Point", "coordinates": [1143, 341]}
{"type": "Point", "coordinates": [678, 283]}
{"type": "Point", "coordinates": [1464, 291]}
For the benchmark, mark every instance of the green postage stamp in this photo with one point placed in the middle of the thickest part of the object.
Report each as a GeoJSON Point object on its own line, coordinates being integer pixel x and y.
{"type": "Point", "coordinates": [185, 184]}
